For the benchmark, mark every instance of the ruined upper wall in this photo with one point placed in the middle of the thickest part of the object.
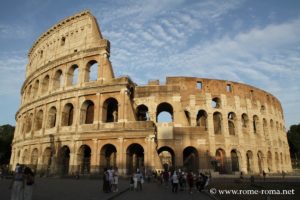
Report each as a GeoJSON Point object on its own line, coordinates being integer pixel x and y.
{"type": "Point", "coordinates": [73, 34]}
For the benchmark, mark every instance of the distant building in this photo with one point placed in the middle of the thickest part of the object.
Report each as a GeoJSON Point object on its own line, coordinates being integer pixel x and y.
{"type": "Point", "coordinates": [77, 117]}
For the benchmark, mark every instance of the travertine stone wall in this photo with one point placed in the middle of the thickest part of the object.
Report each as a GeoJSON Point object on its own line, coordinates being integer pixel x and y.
{"type": "Point", "coordinates": [76, 117]}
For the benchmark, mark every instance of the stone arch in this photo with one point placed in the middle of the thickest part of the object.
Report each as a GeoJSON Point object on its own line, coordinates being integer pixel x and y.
{"type": "Point", "coordinates": [35, 88]}
{"type": "Point", "coordinates": [25, 157]}
{"type": "Point", "coordinates": [87, 112]}
{"type": "Point", "coordinates": [216, 102]}
{"type": "Point", "coordinates": [63, 160]}
{"type": "Point", "coordinates": [260, 161]}
{"type": "Point", "coordinates": [91, 71]}
{"type": "Point", "coordinates": [34, 158]}
{"type": "Point", "coordinates": [220, 164]}
{"type": "Point", "coordinates": [28, 123]}
{"type": "Point", "coordinates": [29, 93]}
{"type": "Point", "coordinates": [265, 126]}
{"type": "Point", "coordinates": [45, 84]}
{"type": "Point", "coordinates": [164, 112]}
{"type": "Point", "coordinates": [52, 117]}
{"type": "Point", "coordinates": [47, 155]}
{"type": "Point", "coordinates": [67, 115]}
{"type": "Point", "coordinates": [255, 124]}
{"type": "Point", "coordinates": [245, 120]}
{"type": "Point", "coordinates": [271, 126]}
{"type": "Point", "coordinates": [84, 159]}
{"type": "Point", "coordinates": [188, 117]}
{"type": "Point", "coordinates": [110, 110]}
{"type": "Point", "coordinates": [269, 161]}
{"type": "Point", "coordinates": [235, 160]}
{"type": "Point", "coordinates": [38, 122]}
{"type": "Point", "coordinates": [201, 119]}
{"type": "Point", "coordinates": [191, 159]}
{"type": "Point", "coordinates": [72, 75]}
{"type": "Point", "coordinates": [249, 158]}
{"type": "Point", "coordinates": [167, 157]}
{"type": "Point", "coordinates": [217, 119]}
{"type": "Point", "coordinates": [231, 118]}
{"type": "Point", "coordinates": [134, 158]}
{"type": "Point", "coordinates": [142, 113]}
{"type": "Point", "coordinates": [58, 79]}
{"type": "Point", "coordinates": [108, 156]}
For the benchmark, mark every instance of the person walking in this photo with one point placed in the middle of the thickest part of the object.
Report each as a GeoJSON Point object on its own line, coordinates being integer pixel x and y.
{"type": "Point", "coordinates": [115, 180]}
{"type": "Point", "coordinates": [140, 180]}
{"type": "Point", "coordinates": [17, 184]}
{"type": "Point", "coordinates": [105, 179]}
{"type": "Point", "coordinates": [190, 181]}
{"type": "Point", "coordinates": [29, 183]}
{"type": "Point", "coordinates": [175, 181]}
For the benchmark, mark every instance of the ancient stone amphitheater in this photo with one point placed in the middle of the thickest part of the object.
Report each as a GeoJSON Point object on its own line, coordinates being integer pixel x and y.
{"type": "Point", "coordinates": [77, 117]}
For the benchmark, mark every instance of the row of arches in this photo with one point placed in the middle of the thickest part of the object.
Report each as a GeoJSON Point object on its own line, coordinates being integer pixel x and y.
{"type": "Point", "coordinates": [87, 109]}
{"type": "Point", "coordinates": [60, 79]}
{"type": "Point", "coordinates": [164, 113]}
{"type": "Point", "coordinates": [191, 158]}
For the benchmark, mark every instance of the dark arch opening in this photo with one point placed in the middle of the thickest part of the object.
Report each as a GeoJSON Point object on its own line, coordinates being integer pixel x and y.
{"type": "Point", "coordinates": [190, 159]}
{"type": "Point", "coordinates": [135, 158]}
{"type": "Point", "coordinates": [142, 113]}
{"type": "Point", "coordinates": [167, 158]}
{"type": "Point", "coordinates": [84, 159]}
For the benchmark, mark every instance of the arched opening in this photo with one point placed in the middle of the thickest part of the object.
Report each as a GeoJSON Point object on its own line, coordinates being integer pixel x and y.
{"type": "Point", "coordinates": [63, 160]}
{"type": "Point", "coordinates": [271, 126]}
{"type": "Point", "coordinates": [110, 110]}
{"type": "Point", "coordinates": [84, 159]}
{"type": "Point", "coordinates": [202, 119]}
{"type": "Point", "coordinates": [34, 159]}
{"type": "Point", "coordinates": [188, 117]}
{"type": "Point", "coordinates": [47, 160]}
{"type": "Point", "coordinates": [87, 112]}
{"type": "Point", "coordinates": [108, 156]}
{"type": "Point", "coordinates": [45, 84]}
{"type": "Point", "coordinates": [29, 93]}
{"type": "Point", "coordinates": [245, 120]}
{"type": "Point", "coordinates": [231, 123]}
{"type": "Point", "coordinates": [167, 157]}
{"type": "Point", "coordinates": [134, 158]}
{"type": "Point", "coordinates": [260, 161]}
{"type": "Point", "coordinates": [281, 160]}
{"type": "Point", "coordinates": [249, 157]}
{"type": "Point", "coordinates": [269, 161]}
{"type": "Point", "coordinates": [217, 117]}
{"type": "Point", "coordinates": [265, 126]}
{"type": "Point", "coordinates": [220, 161]}
{"type": "Point", "coordinates": [235, 160]}
{"type": "Point", "coordinates": [216, 102]}
{"type": "Point", "coordinates": [92, 71]}
{"type": "Point", "coordinates": [38, 120]}
{"type": "Point", "coordinates": [164, 112]}
{"type": "Point", "coordinates": [190, 159]}
{"type": "Point", "coordinates": [255, 123]}
{"type": "Point", "coordinates": [72, 76]}
{"type": "Point", "coordinates": [25, 157]}
{"type": "Point", "coordinates": [28, 124]}
{"type": "Point", "coordinates": [58, 80]}
{"type": "Point", "coordinates": [67, 115]}
{"type": "Point", "coordinates": [35, 89]}
{"type": "Point", "coordinates": [52, 117]}
{"type": "Point", "coordinates": [142, 113]}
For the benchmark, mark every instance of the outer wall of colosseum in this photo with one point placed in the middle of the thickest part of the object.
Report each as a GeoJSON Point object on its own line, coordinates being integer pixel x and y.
{"type": "Point", "coordinates": [76, 117]}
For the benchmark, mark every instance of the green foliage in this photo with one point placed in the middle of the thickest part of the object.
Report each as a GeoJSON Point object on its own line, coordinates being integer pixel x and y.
{"type": "Point", "coordinates": [6, 137]}
{"type": "Point", "coordinates": [294, 140]}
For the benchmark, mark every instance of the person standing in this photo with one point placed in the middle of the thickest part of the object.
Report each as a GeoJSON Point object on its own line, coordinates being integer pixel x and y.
{"type": "Point", "coordinates": [106, 188]}
{"type": "Point", "coordinates": [17, 184]}
{"type": "Point", "coordinates": [140, 180]}
{"type": "Point", "coordinates": [175, 182]}
{"type": "Point", "coordinates": [29, 183]}
{"type": "Point", "coordinates": [190, 180]}
{"type": "Point", "coordinates": [116, 180]}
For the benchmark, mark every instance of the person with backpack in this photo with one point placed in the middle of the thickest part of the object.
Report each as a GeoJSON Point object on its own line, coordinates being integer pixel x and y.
{"type": "Point", "coordinates": [29, 183]}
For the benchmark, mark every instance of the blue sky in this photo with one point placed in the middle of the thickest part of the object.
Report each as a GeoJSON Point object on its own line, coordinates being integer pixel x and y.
{"type": "Point", "coordinates": [254, 42]}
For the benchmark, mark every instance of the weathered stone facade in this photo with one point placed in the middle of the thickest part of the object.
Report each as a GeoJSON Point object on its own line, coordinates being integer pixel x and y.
{"type": "Point", "coordinates": [71, 121]}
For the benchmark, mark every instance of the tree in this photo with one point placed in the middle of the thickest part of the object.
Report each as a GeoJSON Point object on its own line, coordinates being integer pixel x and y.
{"type": "Point", "coordinates": [294, 141]}
{"type": "Point", "coordinates": [6, 137]}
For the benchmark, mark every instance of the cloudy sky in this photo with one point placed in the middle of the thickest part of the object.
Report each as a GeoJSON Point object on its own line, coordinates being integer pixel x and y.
{"type": "Point", "coordinates": [254, 42]}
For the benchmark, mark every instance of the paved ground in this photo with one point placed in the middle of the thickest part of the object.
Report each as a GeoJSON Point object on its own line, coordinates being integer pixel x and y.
{"type": "Point", "coordinates": [91, 189]}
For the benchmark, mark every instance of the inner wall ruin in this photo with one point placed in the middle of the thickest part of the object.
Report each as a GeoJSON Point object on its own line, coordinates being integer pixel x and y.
{"type": "Point", "coordinates": [77, 117]}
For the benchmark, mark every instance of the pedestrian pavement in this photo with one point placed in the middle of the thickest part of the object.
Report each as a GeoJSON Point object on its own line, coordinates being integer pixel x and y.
{"type": "Point", "coordinates": [91, 189]}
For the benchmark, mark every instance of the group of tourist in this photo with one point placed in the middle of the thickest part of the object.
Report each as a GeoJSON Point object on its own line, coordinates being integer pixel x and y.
{"type": "Point", "coordinates": [183, 180]}
{"type": "Point", "coordinates": [22, 183]}
{"type": "Point", "coordinates": [110, 180]}
{"type": "Point", "coordinates": [136, 181]}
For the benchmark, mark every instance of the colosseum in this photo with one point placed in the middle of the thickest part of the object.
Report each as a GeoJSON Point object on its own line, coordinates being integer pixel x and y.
{"type": "Point", "coordinates": [77, 117]}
